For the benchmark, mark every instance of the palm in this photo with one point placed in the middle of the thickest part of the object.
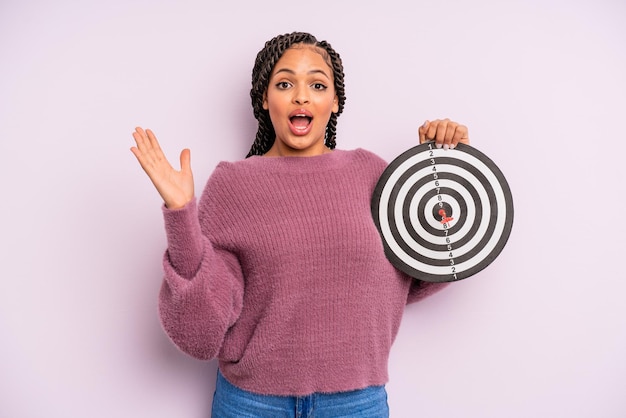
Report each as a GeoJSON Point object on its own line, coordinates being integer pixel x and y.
{"type": "Point", "coordinates": [174, 186]}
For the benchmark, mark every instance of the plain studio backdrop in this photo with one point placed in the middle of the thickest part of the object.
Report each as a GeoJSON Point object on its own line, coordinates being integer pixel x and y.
{"type": "Point", "coordinates": [541, 332]}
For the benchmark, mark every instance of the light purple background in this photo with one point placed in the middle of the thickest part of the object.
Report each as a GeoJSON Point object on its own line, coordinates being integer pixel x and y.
{"type": "Point", "coordinates": [541, 84]}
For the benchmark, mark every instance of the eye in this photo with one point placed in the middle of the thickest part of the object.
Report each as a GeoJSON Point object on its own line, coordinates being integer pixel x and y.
{"type": "Point", "coordinates": [319, 86]}
{"type": "Point", "coordinates": [283, 85]}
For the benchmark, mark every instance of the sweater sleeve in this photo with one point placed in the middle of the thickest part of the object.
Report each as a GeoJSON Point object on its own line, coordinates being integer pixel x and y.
{"type": "Point", "coordinates": [420, 290]}
{"type": "Point", "coordinates": [202, 291]}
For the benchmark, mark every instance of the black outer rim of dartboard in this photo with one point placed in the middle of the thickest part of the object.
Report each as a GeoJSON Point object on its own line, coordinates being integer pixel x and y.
{"type": "Point", "coordinates": [508, 223]}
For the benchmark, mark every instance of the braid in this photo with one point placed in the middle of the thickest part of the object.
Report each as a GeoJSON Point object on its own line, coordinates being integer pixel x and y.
{"type": "Point", "coordinates": [261, 72]}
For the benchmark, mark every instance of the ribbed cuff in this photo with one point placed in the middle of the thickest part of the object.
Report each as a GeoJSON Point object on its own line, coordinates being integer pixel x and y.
{"type": "Point", "coordinates": [184, 238]}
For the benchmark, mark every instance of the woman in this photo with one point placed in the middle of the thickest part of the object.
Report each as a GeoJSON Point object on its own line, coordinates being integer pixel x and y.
{"type": "Point", "coordinates": [278, 269]}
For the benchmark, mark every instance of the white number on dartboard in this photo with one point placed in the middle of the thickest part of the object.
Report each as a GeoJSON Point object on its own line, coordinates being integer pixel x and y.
{"type": "Point", "coordinates": [439, 198]}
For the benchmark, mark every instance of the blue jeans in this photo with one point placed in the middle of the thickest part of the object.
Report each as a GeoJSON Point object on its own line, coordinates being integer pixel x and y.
{"type": "Point", "coordinates": [231, 402]}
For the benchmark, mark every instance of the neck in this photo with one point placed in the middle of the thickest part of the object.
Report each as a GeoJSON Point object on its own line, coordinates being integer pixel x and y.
{"type": "Point", "coordinates": [280, 150]}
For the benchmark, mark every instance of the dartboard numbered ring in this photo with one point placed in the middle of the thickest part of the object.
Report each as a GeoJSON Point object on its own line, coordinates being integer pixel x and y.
{"type": "Point", "coordinates": [443, 215]}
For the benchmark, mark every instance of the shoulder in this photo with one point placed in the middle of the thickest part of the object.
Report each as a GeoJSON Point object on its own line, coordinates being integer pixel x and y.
{"type": "Point", "coordinates": [368, 160]}
{"type": "Point", "coordinates": [226, 182]}
{"type": "Point", "coordinates": [229, 171]}
{"type": "Point", "coordinates": [368, 156]}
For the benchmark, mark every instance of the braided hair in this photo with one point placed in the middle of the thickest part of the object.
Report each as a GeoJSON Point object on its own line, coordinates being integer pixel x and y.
{"type": "Point", "coordinates": [263, 66]}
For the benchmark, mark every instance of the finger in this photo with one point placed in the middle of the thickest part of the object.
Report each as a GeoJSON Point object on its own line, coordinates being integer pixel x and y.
{"type": "Point", "coordinates": [450, 132]}
{"type": "Point", "coordinates": [453, 133]}
{"type": "Point", "coordinates": [148, 152]}
{"type": "Point", "coordinates": [153, 140]}
{"type": "Point", "coordinates": [136, 153]}
{"type": "Point", "coordinates": [138, 136]}
{"type": "Point", "coordinates": [140, 149]}
{"type": "Point", "coordinates": [440, 135]}
{"type": "Point", "coordinates": [140, 132]}
{"type": "Point", "coordinates": [151, 147]}
{"type": "Point", "coordinates": [141, 139]}
{"type": "Point", "coordinates": [461, 135]}
{"type": "Point", "coordinates": [141, 158]}
{"type": "Point", "coordinates": [430, 130]}
{"type": "Point", "coordinates": [422, 132]}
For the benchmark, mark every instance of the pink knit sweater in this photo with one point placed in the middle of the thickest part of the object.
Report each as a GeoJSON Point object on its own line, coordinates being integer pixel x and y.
{"type": "Point", "coordinates": [280, 273]}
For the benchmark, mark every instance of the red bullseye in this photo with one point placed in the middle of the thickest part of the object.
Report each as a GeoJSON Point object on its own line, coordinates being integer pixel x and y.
{"type": "Point", "coordinates": [444, 218]}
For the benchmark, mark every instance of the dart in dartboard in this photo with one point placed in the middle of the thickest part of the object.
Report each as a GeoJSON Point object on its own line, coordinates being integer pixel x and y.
{"type": "Point", "coordinates": [443, 215]}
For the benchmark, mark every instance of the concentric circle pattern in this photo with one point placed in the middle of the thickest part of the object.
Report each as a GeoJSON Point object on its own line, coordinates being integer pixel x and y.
{"type": "Point", "coordinates": [443, 215]}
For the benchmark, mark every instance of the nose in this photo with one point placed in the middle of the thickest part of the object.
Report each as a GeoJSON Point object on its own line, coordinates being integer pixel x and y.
{"type": "Point", "coordinates": [300, 95]}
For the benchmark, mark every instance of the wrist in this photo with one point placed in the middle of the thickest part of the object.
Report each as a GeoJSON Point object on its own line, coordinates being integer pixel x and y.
{"type": "Point", "coordinates": [175, 205]}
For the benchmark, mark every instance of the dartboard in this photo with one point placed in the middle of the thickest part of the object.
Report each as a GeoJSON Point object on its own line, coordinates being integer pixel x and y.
{"type": "Point", "coordinates": [443, 215]}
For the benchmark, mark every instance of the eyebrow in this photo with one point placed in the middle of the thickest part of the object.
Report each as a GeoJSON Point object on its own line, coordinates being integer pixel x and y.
{"type": "Point", "coordinates": [287, 70]}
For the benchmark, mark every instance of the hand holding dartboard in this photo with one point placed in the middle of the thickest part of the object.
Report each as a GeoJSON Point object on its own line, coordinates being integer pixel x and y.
{"type": "Point", "coordinates": [443, 215]}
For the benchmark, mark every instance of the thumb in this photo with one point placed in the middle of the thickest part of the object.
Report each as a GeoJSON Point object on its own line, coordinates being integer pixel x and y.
{"type": "Point", "coordinates": [185, 160]}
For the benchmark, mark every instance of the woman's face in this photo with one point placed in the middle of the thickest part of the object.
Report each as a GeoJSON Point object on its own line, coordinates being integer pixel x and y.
{"type": "Point", "coordinates": [300, 98]}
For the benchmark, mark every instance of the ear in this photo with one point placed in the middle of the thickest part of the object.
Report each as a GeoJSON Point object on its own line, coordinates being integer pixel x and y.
{"type": "Point", "coordinates": [336, 104]}
{"type": "Point", "coordinates": [265, 106]}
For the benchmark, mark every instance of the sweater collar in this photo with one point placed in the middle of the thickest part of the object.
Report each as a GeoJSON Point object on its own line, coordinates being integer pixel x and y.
{"type": "Point", "coordinates": [332, 160]}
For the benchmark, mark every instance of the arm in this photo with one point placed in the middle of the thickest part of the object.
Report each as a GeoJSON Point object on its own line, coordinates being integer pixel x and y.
{"type": "Point", "coordinates": [420, 290]}
{"type": "Point", "coordinates": [202, 291]}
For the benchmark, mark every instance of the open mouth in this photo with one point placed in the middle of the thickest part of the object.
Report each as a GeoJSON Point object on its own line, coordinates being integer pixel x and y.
{"type": "Point", "coordinates": [300, 122]}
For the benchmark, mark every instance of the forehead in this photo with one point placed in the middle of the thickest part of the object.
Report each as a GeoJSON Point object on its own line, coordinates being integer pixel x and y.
{"type": "Point", "coordinates": [298, 53]}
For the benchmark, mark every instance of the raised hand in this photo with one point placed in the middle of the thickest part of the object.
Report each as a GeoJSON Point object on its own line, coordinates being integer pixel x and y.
{"type": "Point", "coordinates": [175, 187]}
{"type": "Point", "coordinates": [445, 133]}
